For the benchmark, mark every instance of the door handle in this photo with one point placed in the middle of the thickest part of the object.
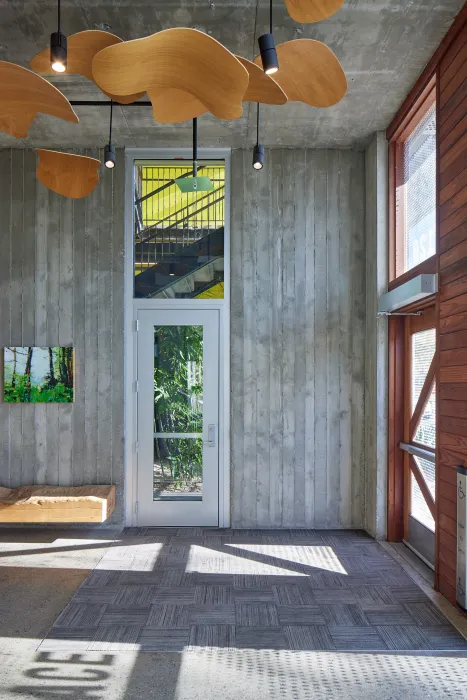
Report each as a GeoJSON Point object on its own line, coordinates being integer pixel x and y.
{"type": "Point", "coordinates": [211, 441]}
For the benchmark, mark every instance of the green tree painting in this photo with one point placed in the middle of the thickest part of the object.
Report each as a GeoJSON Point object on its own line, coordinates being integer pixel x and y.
{"type": "Point", "coordinates": [38, 375]}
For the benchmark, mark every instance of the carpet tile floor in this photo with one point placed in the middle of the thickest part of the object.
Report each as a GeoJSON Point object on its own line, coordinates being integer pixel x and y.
{"type": "Point", "coordinates": [194, 588]}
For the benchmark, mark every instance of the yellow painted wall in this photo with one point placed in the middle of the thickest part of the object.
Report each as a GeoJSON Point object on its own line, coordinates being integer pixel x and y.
{"type": "Point", "coordinates": [167, 203]}
{"type": "Point", "coordinates": [216, 292]}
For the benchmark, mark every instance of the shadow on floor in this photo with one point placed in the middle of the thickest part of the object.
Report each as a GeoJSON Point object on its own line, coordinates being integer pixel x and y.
{"type": "Point", "coordinates": [249, 615]}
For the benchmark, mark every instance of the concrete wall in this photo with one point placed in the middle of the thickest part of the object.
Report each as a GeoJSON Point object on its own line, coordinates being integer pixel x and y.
{"type": "Point", "coordinates": [298, 333]}
{"type": "Point", "coordinates": [61, 283]}
{"type": "Point", "coordinates": [376, 337]}
{"type": "Point", "coordinates": [298, 339]}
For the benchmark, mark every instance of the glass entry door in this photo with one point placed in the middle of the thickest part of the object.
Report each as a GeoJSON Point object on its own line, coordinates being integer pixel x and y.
{"type": "Point", "coordinates": [178, 417]}
{"type": "Point", "coordinates": [420, 435]}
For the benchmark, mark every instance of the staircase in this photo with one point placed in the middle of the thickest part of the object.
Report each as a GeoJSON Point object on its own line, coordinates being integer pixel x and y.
{"type": "Point", "coordinates": [175, 257]}
{"type": "Point", "coordinates": [183, 271]}
{"type": "Point", "coordinates": [196, 283]}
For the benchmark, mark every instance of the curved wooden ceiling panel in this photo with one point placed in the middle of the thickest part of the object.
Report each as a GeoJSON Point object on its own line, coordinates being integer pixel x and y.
{"type": "Point", "coordinates": [170, 105]}
{"type": "Point", "coordinates": [305, 11]}
{"type": "Point", "coordinates": [309, 72]}
{"type": "Point", "coordinates": [261, 87]}
{"type": "Point", "coordinates": [82, 47]}
{"type": "Point", "coordinates": [66, 173]}
{"type": "Point", "coordinates": [23, 95]}
{"type": "Point", "coordinates": [183, 59]}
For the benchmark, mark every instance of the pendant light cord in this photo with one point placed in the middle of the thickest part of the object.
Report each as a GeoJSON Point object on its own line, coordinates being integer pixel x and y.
{"type": "Point", "coordinates": [58, 15]}
{"type": "Point", "coordinates": [195, 147]}
{"type": "Point", "coordinates": [257, 125]}
{"type": "Point", "coordinates": [111, 117]}
{"type": "Point", "coordinates": [270, 16]}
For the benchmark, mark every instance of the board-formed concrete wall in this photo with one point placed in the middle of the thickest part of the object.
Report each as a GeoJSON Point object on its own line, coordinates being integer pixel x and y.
{"type": "Point", "coordinates": [298, 339]}
{"type": "Point", "coordinates": [298, 333]}
{"type": "Point", "coordinates": [61, 283]}
{"type": "Point", "coordinates": [376, 341]}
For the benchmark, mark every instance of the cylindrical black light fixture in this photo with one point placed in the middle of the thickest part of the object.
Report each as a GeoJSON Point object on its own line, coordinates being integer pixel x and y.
{"type": "Point", "coordinates": [172, 269]}
{"type": "Point", "coordinates": [258, 157]}
{"type": "Point", "coordinates": [110, 158]}
{"type": "Point", "coordinates": [58, 48]}
{"type": "Point", "coordinates": [258, 151]}
{"type": "Point", "coordinates": [267, 48]}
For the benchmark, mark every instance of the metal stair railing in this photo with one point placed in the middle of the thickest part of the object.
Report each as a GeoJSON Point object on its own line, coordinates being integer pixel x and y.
{"type": "Point", "coordinates": [144, 238]}
{"type": "Point", "coordinates": [178, 233]}
{"type": "Point", "coordinates": [190, 259]}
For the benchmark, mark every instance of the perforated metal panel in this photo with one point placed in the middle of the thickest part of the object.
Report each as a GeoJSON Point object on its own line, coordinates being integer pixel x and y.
{"type": "Point", "coordinates": [426, 431]}
{"type": "Point", "coordinates": [420, 191]}
{"type": "Point", "coordinates": [418, 506]}
{"type": "Point", "coordinates": [423, 350]}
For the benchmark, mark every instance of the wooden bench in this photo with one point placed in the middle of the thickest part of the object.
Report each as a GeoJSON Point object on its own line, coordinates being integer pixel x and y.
{"type": "Point", "coordinates": [57, 504]}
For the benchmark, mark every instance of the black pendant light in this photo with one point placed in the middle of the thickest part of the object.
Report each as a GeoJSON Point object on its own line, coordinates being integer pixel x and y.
{"type": "Point", "coordinates": [258, 151]}
{"type": "Point", "coordinates": [110, 158]}
{"type": "Point", "coordinates": [267, 48]}
{"type": "Point", "coordinates": [58, 47]}
{"type": "Point", "coordinates": [196, 183]}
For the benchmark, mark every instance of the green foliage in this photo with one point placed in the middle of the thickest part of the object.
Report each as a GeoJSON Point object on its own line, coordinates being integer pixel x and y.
{"type": "Point", "coordinates": [178, 407]}
{"type": "Point", "coordinates": [22, 392]}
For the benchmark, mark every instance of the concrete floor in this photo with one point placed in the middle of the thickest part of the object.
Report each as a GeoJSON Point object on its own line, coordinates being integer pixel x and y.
{"type": "Point", "coordinates": [40, 571]}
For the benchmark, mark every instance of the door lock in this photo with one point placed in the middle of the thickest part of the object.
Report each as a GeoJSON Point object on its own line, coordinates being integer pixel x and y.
{"type": "Point", "coordinates": [211, 441]}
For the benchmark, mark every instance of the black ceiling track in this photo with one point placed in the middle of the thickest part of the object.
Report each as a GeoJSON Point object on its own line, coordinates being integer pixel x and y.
{"type": "Point", "coordinates": [102, 103]}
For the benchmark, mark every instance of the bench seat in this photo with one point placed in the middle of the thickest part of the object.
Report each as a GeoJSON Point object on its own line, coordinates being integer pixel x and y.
{"type": "Point", "coordinates": [57, 504]}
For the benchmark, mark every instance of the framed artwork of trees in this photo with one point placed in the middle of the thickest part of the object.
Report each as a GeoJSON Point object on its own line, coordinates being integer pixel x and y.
{"type": "Point", "coordinates": [39, 375]}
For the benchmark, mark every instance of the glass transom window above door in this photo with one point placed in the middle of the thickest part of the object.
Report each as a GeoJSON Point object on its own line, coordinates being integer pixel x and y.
{"type": "Point", "coordinates": [178, 235]}
{"type": "Point", "coordinates": [178, 417]}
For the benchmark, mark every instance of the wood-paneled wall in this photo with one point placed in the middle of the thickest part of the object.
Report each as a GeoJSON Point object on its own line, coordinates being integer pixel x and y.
{"type": "Point", "coordinates": [298, 339]}
{"type": "Point", "coordinates": [61, 283]}
{"type": "Point", "coordinates": [452, 410]}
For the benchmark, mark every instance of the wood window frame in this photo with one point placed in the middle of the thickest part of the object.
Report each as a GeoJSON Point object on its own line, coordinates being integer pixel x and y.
{"type": "Point", "coordinates": [399, 136]}
{"type": "Point", "coordinates": [398, 417]}
{"type": "Point", "coordinates": [411, 113]}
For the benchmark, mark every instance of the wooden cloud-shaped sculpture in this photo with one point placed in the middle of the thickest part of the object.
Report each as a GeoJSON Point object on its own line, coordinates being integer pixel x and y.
{"type": "Point", "coordinates": [66, 173]}
{"type": "Point", "coordinates": [312, 10]}
{"type": "Point", "coordinates": [82, 47]}
{"type": "Point", "coordinates": [261, 87]}
{"type": "Point", "coordinates": [309, 72]}
{"type": "Point", "coordinates": [181, 59]}
{"type": "Point", "coordinates": [170, 102]}
{"type": "Point", "coordinates": [23, 95]}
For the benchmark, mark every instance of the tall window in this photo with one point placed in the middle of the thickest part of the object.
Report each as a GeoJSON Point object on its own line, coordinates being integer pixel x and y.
{"type": "Point", "coordinates": [178, 233]}
{"type": "Point", "coordinates": [413, 352]}
{"type": "Point", "coordinates": [415, 190]}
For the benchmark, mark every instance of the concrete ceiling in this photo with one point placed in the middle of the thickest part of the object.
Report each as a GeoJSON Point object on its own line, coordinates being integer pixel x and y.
{"type": "Point", "coordinates": [383, 46]}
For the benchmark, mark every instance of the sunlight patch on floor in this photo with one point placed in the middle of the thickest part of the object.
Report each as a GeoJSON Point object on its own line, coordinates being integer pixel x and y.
{"type": "Point", "coordinates": [79, 553]}
{"type": "Point", "coordinates": [317, 557]}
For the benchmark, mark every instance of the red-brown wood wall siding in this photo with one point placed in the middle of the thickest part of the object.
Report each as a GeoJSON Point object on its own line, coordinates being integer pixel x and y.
{"type": "Point", "coordinates": [452, 305]}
